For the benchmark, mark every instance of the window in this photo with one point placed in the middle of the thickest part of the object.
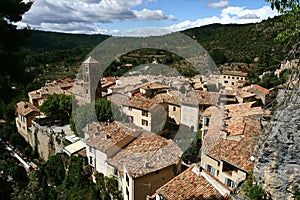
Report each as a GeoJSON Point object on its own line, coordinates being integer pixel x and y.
{"type": "Point", "coordinates": [127, 192]}
{"type": "Point", "coordinates": [225, 81]}
{"type": "Point", "coordinates": [91, 149]}
{"type": "Point", "coordinates": [129, 108]}
{"type": "Point", "coordinates": [210, 169]}
{"type": "Point", "coordinates": [232, 83]}
{"type": "Point", "coordinates": [206, 121]}
{"type": "Point", "coordinates": [229, 182]}
{"type": "Point", "coordinates": [127, 179]}
{"type": "Point", "coordinates": [115, 171]}
{"type": "Point", "coordinates": [242, 78]}
{"type": "Point", "coordinates": [224, 76]}
{"type": "Point", "coordinates": [228, 77]}
{"type": "Point", "coordinates": [174, 108]}
{"type": "Point", "coordinates": [86, 69]}
{"type": "Point", "coordinates": [86, 91]}
{"type": "Point", "coordinates": [145, 113]}
{"type": "Point", "coordinates": [144, 122]}
{"type": "Point", "coordinates": [131, 119]}
{"type": "Point", "coordinates": [232, 77]}
{"type": "Point", "coordinates": [204, 132]}
{"type": "Point", "coordinates": [91, 160]}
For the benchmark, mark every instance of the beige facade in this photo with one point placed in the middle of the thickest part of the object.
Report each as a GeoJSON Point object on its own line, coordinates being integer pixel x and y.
{"type": "Point", "coordinates": [140, 117]}
{"type": "Point", "coordinates": [174, 112]}
{"type": "Point", "coordinates": [223, 171]}
{"type": "Point", "coordinates": [26, 113]}
{"type": "Point", "coordinates": [232, 79]}
{"type": "Point", "coordinates": [190, 117]}
{"type": "Point", "coordinates": [141, 187]}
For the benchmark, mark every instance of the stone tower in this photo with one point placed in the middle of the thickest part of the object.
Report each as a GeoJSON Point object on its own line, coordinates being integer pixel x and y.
{"type": "Point", "coordinates": [91, 79]}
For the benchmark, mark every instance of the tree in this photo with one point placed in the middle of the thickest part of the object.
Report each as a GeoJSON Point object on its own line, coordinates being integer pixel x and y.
{"type": "Point", "coordinates": [11, 42]}
{"type": "Point", "coordinates": [55, 169]}
{"type": "Point", "coordinates": [107, 186]}
{"type": "Point", "coordinates": [253, 191]}
{"type": "Point", "coordinates": [58, 106]}
{"type": "Point", "coordinates": [105, 111]}
{"type": "Point", "coordinates": [284, 5]}
{"type": "Point", "coordinates": [32, 191]}
{"type": "Point", "coordinates": [19, 174]}
{"type": "Point", "coordinates": [291, 11]}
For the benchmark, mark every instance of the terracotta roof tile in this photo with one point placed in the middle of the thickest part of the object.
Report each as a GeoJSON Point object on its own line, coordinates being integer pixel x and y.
{"type": "Point", "coordinates": [239, 152]}
{"type": "Point", "coordinates": [256, 88]}
{"type": "Point", "coordinates": [207, 98]}
{"type": "Point", "coordinates": [154, 86]}
{"type": "Point", "coordinates": [235, 73]}
{"type": "Point", "coordinates": [146, 154]}
{"type": "Point", "coordinates": [189, 186]}
{"type": "Point", "coordinates": [25, 108]}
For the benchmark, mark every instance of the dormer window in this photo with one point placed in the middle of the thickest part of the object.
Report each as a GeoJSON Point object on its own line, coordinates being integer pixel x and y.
{"type": "Point", "coordinates": [145, 113]}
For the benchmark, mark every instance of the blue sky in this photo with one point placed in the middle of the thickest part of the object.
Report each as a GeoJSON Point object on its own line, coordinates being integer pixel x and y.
{"type": "Point", "coordinates": [141, 17]}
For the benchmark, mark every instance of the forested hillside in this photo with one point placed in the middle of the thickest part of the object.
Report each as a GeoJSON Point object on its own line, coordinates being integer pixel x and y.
{"type": "Point", "coordinates": [57, 55]}
{"type": "Point", "coordinates": [240, 43]}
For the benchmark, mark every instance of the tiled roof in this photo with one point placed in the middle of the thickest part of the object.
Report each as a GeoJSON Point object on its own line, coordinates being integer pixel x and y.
{"type": "Point", "coordinates": [90, 59]}
{"type": "Point", "coordinates": [25, 108]}
{"type": "Point", "coordinates": [232, 92]}
{"type": "Point", "coordinates": [256, 88]}
{"type": "Point", "coordinates": [141, 102]}
{"type": "Point", "coordinates": [110, 79]}
{"type": "Point", "coordinates": [238, 153]}
{"type": "Point", "coordinates": [244, 94]}
{"type": "Point", "coordinates": [207, 98]}
{"type": "Point", "coordinates": [234, 73]}
{"type": "Point", "coordinates": [146, 154]}
{"type": "Point", "coordinates": [154, 86]}
{"type": "Point", "coordinates": [189, 186]}
{"type": "Point", "coordinates": [229, 121]}
{"type": "Point", "coordinates": [235, 114]}
{"type": "Point", "coordinates": [103, 135]}
{"type": "Point", "coordinates": [46, 90]}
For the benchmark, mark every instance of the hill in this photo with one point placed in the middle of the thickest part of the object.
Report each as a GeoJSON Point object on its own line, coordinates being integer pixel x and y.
{"type": "Point", "coordinates": [57, 55]}
{"type": "Point", "coordinates": [240, 43]}
{"type": "Point", "coordinates": [41, 41]}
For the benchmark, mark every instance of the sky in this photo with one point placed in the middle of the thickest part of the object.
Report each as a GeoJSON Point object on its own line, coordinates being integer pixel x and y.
{"type": "Point", "coordinates": [140, 17]}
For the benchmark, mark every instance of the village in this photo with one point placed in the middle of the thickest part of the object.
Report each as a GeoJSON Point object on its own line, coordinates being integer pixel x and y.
{"type": "Point", "coordinates": [163, 117]}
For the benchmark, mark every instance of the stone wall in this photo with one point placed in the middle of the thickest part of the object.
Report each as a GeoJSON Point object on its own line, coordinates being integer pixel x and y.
{"type": "Point", "coordinates": [277, 166]}
{"type": "Point", "coordinates": [47, 140]}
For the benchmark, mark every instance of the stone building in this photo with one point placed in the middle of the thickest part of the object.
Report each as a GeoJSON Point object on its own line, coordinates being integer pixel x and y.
{"type": "Point", "coordinates": [232, 79]}
{"type": "Point", "coordinates": [142, 161]}
{"type": "Point", "coordinates": [26, 112]}
{"type": "Point", "coordinates": [48, 137]}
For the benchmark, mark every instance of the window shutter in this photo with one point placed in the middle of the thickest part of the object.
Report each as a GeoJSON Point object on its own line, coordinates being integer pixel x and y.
{"type": "Point", "coordinates": [232, 184]}
{"type": "Point", "coordinates": [206, 166]}
{"type": "Point", "coordinates": [226, 181]}
{"type": "Point", "coordinates": [213, 171]}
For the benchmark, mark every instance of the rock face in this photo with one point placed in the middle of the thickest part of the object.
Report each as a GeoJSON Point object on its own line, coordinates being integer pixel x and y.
{"type": "Point", "coordinates": [277, 165]}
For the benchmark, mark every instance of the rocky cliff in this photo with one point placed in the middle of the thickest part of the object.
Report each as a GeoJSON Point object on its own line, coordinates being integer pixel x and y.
{"type": "Point", "coordinates": [277, 165]}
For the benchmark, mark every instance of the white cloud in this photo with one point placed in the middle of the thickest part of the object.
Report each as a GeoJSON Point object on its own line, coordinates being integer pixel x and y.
{"type": "Point", "coordinates": [90, 11]}
{"type": "Point", "coordinates": [220, 4]}
{"type": "Point", "coordinates": [90, 16]}
{"type": "Point", "coordinates": [147, 14]}
{"type": "Point", "coordinates": [230, 15]}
